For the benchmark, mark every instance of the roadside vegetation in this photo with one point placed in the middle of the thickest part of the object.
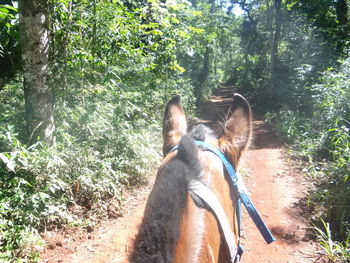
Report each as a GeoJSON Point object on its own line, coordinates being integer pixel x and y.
{"type": "Point", "coordinates": [111, 66]}
{"type": "Point", "coordinates": [321, 139]}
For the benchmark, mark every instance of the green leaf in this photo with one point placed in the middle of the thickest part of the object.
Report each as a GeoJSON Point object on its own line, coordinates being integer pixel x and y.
{"type": "Point", "coordinates": [8, 162]}
{"type": "Point", "coordinates": [196, 30]}
{"type": "Point", "coordinates": [9, 7]}
{"type": "Point", "coordinates": [4, 10]}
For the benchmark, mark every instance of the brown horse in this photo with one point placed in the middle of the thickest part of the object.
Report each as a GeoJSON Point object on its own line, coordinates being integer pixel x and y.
{"type": "Point", "coordinates": [178, 226]}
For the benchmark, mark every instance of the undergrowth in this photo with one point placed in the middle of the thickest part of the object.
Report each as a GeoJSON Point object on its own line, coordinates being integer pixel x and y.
{"type": "Point", "coordinates": [100, 149]}
{"type": "Point", "coordinates": [321, 138]}
{"type": "Point", "coordinates": [333, 251]}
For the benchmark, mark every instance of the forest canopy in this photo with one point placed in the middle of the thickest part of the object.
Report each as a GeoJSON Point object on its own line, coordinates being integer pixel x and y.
{"type": "Point", "coordinates": [82, 83]}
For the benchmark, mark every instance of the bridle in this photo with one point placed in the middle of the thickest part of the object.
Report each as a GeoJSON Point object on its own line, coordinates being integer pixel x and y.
{"type": "Point", "coordinates": [198, 189]}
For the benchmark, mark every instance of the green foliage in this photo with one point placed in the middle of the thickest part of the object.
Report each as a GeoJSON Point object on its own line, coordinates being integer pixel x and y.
{"type": "Point", "coordinates": [213, 48]}
{"type": "Point", "coordinates": [331, 19]}
{"type": "Point", "coordinates": [100, 149]}
{"type": "Point", "coordinates": [334, 252]}
{"type": "Point", "coordinates": [322, 138]}
{"type": "Point", "coordinates": [112, 71]}
{"type": "Point", "coordinates": [272, 82]}
{"type": "Point", "coordinates": [107, 39]}
{"type": "Point", "coordinates": [113, 66]}
{"type": "Point", "coordinates": [7, 25]}
{"type": "Point", "coordinates": [12, 106]}
{"type": "Point", "coordinates": [9, 43]}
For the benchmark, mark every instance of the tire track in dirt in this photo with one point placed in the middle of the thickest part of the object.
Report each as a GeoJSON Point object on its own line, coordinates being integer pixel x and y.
{"type": "Point", "coordinates": [276, 188]}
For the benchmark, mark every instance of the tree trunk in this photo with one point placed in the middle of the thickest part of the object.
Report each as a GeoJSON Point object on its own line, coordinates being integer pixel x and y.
{"type": "Point", "coordinates": [202, 78]}
{"type": "Point", "coordinates": [342, 9]}
{"type": "Point", "coordinates": [275, 37]}
{"type": "Point", "coordinates": [270, 28]}
{"type": "Point", "coordinates": [35, 55]}
{"type": "Point", "coordinates": [342, 12]}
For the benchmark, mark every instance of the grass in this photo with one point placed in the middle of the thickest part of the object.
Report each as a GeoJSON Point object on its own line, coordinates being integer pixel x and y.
{"type": "Point", "coordinates": [333, 251]}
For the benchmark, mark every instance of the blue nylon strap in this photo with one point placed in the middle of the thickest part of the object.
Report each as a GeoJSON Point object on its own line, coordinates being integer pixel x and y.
{"type": "Point", "coordinates": [265, 232]}
{"type": "Point", "coordinates": [229, 167]}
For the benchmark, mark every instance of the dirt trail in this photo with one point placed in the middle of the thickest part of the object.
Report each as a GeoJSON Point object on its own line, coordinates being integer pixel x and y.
{"type": "Point", "coordinates": [277, 190]}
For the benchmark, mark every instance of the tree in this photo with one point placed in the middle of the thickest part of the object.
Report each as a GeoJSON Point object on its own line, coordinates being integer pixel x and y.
{"type": "Point", "coordinates": [331, 17]}
{"type": "Point", "coordinates": [35, 55]}
{"type": "Point", "coordinates": [275, 34]}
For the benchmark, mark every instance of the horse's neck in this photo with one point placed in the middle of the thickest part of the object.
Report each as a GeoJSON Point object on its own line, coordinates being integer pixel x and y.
{"type": "Point", "coordinates": [199, 239]}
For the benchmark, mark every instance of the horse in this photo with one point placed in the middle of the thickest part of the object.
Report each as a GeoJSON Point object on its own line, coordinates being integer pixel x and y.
{"type": "Point", "coordinates": [179, 226]}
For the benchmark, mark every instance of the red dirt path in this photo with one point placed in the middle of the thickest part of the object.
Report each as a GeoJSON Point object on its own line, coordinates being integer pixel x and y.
{"type": "Point", "coordinates": [277, 190]}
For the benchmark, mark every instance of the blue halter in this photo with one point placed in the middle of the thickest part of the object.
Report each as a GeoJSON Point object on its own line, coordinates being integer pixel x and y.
{"type": "Point", "coordinates": [243, 197]}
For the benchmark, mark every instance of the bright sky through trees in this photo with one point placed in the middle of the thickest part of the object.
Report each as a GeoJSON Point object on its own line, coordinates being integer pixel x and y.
{"type": "Point", "coordinates": [237, 10]}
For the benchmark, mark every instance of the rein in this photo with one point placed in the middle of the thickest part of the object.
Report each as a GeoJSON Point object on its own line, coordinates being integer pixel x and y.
{"type": "Point", "coordinates": [202, 191]}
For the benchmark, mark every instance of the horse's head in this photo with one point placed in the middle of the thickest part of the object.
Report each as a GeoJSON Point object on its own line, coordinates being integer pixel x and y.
{"type": "Point", "coordinates": [178, 226]}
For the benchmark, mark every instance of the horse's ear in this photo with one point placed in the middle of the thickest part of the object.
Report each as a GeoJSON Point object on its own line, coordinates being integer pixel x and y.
{"type": "Point", "coordinates": [237, 129]}
{"type": "Point", "coordinates": [174, 124]}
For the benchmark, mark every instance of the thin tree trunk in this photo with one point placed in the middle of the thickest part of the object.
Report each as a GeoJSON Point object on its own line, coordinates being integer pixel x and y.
{"type": "Point", "coordinates": [65, 48]}
{"type": "Point", "coordinates": [203, 77]}
{"type": "Point", "coordinates": [35, 57]}
{"type": "Point", "coordinates": [276, 32]}
{"type": "Point", "coordinates": [342, 10]}
{"type": "Point", "coordinates": [252, 37]}
{"type": "Point", "coordinates": [276, 35]}
{"type": "Point", "coordinates": [94, 39]}
{"type": "Point", "coordinates": [94, 30]}
{"type": "Point", "coordinates": [270, 28]}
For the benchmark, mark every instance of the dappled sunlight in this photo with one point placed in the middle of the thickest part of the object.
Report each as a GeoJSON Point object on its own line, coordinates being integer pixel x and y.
{"type": "Point", "coordinates": [83, 85]}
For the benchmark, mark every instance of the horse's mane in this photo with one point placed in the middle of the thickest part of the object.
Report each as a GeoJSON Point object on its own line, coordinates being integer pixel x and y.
{"type": "Point", "coordinates": [159, 229]}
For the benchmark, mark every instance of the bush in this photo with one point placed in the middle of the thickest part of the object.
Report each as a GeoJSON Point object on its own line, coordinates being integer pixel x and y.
{"type": "Point", "coordinates": [322, 138]}
{"type": "Point", "coordinates": [107, 139]}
